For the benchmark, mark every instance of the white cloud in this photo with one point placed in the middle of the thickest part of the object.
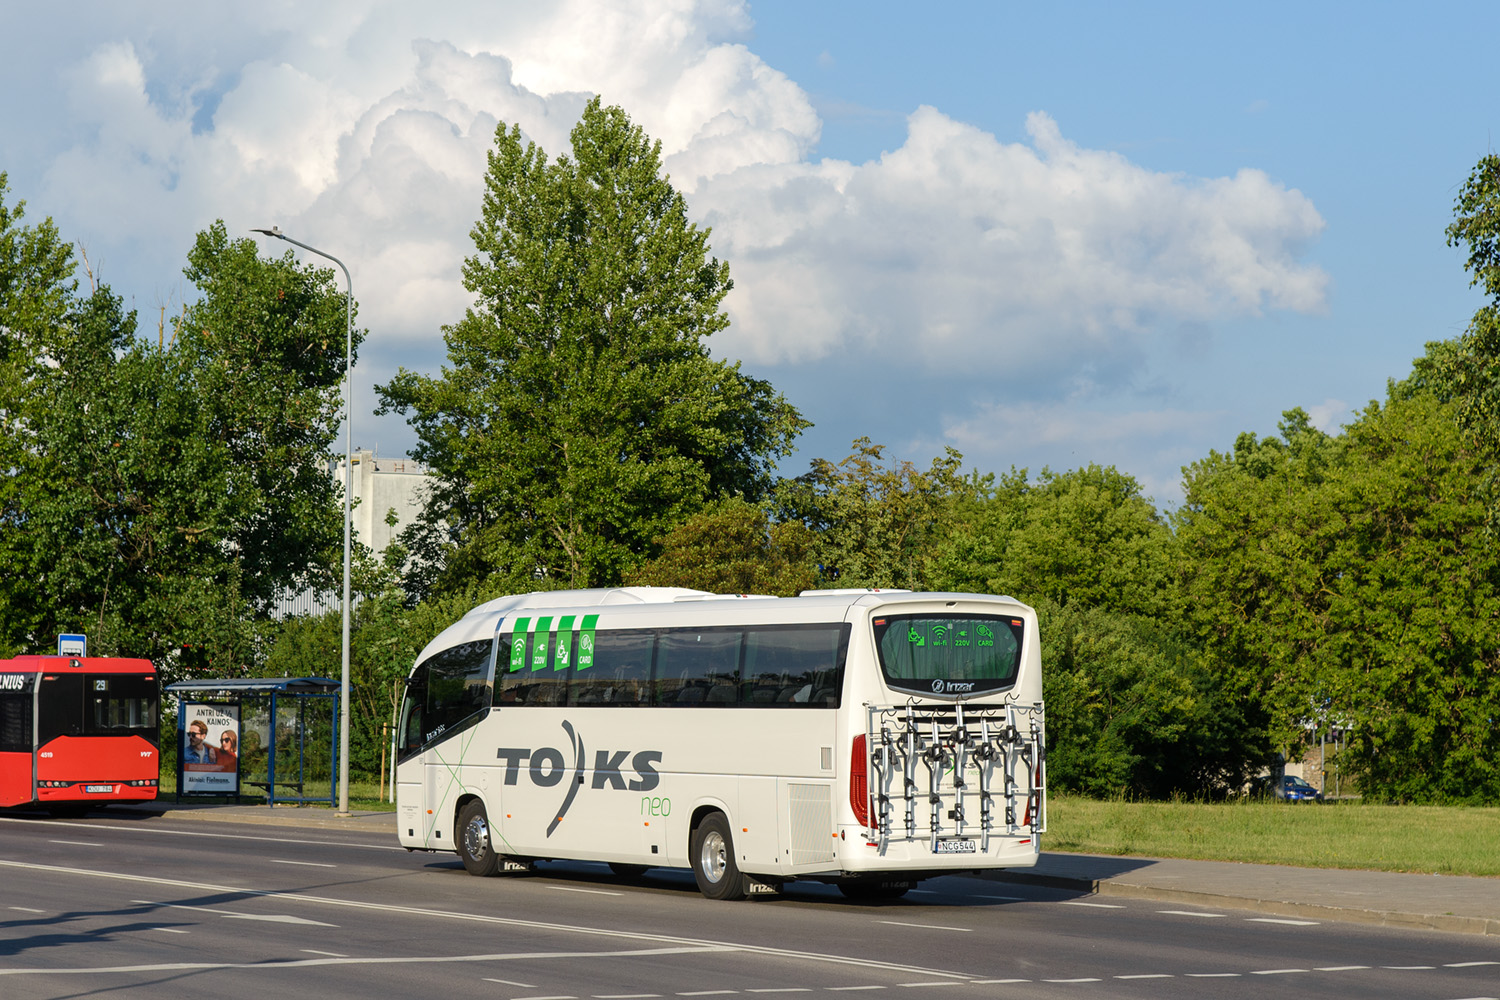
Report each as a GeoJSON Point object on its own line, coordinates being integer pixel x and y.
{"type": "Point", "coordinates": [362, 128]}
{"type": "Point", "coordinates": [958, 241]}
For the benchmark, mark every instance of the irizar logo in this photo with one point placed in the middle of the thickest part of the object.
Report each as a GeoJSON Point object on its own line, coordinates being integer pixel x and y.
{"type": "Point", "coordinates": [547, 768]}
{"type": "Point", "coordinates": [941, 686]}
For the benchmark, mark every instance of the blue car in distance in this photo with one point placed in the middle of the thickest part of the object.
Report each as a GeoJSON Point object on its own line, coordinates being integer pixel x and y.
{"type": "Point", "coordinates": [1295, 789]}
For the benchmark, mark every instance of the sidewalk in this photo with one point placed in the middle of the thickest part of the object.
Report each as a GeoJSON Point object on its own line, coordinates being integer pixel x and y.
{"type": "Point", "coordinates": [1434, 902]}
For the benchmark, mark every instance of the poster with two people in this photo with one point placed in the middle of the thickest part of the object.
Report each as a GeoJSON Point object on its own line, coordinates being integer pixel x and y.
{"type": "Point", "coordinates": [210, 749]}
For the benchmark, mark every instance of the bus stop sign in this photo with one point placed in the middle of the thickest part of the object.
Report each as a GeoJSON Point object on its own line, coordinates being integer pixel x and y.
{"type": "Point", "coordinates": [72, 645]}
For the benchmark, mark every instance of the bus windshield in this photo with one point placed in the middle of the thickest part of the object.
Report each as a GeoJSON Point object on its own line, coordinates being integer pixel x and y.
{"type": "Point", "coordinates": [946, 653]}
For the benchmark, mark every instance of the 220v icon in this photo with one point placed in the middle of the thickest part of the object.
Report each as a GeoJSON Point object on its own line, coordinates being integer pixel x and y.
{"type": "Point", "coordinates": [957, 847]}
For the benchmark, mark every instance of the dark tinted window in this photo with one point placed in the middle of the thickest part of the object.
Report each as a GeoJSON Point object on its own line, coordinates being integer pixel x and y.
{"type": "Point", "coordinates": [60, 707]}
{"type": "Point", "coordinates": [949, 653]}
{"type": "Point", "coordinates": [449, 690]}
{"type": "Point", "coordinates": [698, 667]}
{"type": "Point", "coordinates": [620, 671]}
{"type": "Point", "coordinates": [119, 704]}
{"type": "Point", "coordinates": [529, 667]}
{"type": "Point", "coordinates": [15, 714]}
{"type": "Point", "coordinates": [794, 665]}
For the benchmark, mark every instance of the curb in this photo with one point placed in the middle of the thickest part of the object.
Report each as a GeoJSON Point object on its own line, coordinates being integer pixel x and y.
{"type": "Point", "coordinates": [1489, 926]}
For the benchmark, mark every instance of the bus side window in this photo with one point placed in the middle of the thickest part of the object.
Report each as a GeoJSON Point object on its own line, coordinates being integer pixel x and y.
{"type": "Point", "coordinates": [796, 666]}
{"type": "Point", "coordinates": [15, 720]}
{"type": "Point", "coordinates": [698, 666]}
{"type": "Point", "coordinates": [621, 671]}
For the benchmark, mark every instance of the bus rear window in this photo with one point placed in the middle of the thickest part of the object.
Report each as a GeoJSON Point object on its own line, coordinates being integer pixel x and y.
{"type": "Point", "coordinates": [949, 654]}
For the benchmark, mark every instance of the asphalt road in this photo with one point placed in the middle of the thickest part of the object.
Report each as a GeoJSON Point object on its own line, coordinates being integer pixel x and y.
{"type": "Point", "coordinates": [124, 907]}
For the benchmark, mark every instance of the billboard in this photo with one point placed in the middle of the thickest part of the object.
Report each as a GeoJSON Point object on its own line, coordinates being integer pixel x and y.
{"type": "Point", "coordinates": [210, 750]}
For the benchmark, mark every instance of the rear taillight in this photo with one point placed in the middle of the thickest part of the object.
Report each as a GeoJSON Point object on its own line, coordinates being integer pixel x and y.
{"type": "Point", "coordinates": [859, 786]}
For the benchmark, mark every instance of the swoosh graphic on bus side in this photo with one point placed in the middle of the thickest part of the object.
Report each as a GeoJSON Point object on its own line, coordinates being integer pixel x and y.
{"type": "Point", "coordinates": [577, 742]}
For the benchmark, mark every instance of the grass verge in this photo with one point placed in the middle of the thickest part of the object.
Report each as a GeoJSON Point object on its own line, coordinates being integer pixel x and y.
{"type": "Point", "coordinates": [1438, 840]}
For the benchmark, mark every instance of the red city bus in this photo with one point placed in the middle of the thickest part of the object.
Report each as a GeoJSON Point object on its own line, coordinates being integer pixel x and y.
{"type": "Point", "coordinates": [76, 731]}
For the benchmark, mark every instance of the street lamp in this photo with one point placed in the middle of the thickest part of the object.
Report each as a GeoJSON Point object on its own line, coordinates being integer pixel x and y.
{"type": "Point", "coordinates": [348, 516]}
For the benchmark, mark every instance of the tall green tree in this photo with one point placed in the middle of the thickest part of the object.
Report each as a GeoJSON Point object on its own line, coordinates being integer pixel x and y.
{"type": "Point", "coordinates": [878, 524]}
{"type": "Point", "coordinates": [1353, 582]}
{"type": "Point", "coordinates": [1472, 371]}
{"type": "Point", "coordinates": [161, 497]}
{"type": "Point", "coordinates": [733, 547]}
{"type": "Point", "coordinates": [580, 416]}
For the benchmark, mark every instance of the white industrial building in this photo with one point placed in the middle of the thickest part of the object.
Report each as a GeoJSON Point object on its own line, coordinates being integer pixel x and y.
{"type": "Point", "coordinates": [379, 486]}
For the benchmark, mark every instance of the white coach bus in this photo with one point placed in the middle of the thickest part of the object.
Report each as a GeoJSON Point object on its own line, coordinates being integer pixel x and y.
{"type": "Point", "coordinates": [864, 738]}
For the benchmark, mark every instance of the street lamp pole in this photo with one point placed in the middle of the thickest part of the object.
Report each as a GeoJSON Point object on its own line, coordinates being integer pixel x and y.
{"type": "Point", "coordinates": [348, 509]}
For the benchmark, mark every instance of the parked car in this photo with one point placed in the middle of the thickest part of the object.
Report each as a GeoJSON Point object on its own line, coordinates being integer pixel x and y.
{"type": "Point", "coordinates": [1295, 789]}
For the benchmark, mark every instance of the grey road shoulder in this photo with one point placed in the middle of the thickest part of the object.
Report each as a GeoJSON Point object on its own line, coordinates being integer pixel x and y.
{"type": "Point", "coordinates": [1395, 899]}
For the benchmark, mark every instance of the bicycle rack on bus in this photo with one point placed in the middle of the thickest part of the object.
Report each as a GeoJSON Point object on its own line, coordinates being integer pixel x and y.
{"type": "Point", "coordinates": [953, 743]}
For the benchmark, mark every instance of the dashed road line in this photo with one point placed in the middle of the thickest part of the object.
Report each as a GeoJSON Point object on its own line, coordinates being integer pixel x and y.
{"type": "Point", "coordinates": [1189, 913]}
{"type": "Point", "coordinates": [1097, 906]}
{"type": "Point", "coordinates": [1282, 920]}
{"type": "Point", "coordinates": [1276, 972]}
{"type": "Point", "coordinates": [1148, 975]}
{"type": "Point", "coordinates": [929, 927]}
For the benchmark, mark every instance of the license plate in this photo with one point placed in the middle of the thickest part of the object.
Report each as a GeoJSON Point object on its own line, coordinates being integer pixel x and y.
{"type": "Point", "coordinates": [99, 789]}
{"type": "Point", "coordinates": [957, 847]}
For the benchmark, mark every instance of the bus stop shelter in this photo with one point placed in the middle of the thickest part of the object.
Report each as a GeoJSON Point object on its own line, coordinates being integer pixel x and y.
{"type": "Point", "coordinates": [285, 721]}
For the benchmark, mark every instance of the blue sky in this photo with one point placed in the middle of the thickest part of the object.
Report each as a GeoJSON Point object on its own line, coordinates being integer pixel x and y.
{"type": "Point", "coordinates": [1046, 235]}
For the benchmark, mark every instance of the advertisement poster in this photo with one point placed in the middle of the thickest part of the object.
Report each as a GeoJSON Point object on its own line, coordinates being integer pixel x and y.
{"type": "Point", "coordinates": [210, 749]}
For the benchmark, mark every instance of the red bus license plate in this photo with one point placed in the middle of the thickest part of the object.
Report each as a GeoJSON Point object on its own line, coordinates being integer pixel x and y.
{"type": "Point", "coordinates": [99, 789]}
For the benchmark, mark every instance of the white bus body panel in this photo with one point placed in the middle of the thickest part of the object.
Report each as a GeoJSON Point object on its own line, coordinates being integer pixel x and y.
{"type": "Point", "coordinates": [624, 784]}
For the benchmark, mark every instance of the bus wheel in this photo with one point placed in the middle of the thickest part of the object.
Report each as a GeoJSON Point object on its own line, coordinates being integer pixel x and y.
{"type": "Point", "coordinates": [714, 868]}
{"type": "Point", "coordinates": [474, 844]}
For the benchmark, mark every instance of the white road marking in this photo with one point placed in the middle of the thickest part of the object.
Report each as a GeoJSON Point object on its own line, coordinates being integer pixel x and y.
{"type": "Point", "coordinates": [511, 982]}
{"type": "Point", "coordinates": [1213, 975]}
{"type": "Point", "coordinates": [548, 998]}
{"type": "Point", "coordinates": [596, 892]}
{"type": "Point", "coordinates": [1275, 972]}
{"type": "Point", "coordinates": [25, 909]}
{"type": "Point", "coordinates": [1408, 968]}
{"type": "Point", "coordinates": [918, 985]}
{"type": "Point", "coordinates": [1189, 913]}
{"type": "Point", "coordinates": [170, 930]}
{"type": "Point", "coordinates": [709, 993]}
{"type": "Point", "coordinates": [329, 954]}
{"type": "Point", "coordinates": [1147, 975]}
{"type": "Point", "coordinates": [1282, 920]}
{"type": "Point", "coordinates": [211, 836]}
{"type": "Point", "coordinates": [625, 996]}
{"type": "Point", "coordinates": [269, 918]}
{"type": "Point", "coordinates": [74, 843]}
{"type": "Point", "coordinates": [306, 864]}
{"type": "Point", "coordinates": [845, 989]}
{"type": "Point", "coordinates": [1084, 980]}
{"type": "Point", "coordinates": [782, 989]}
{"type": "Point", "coordinates": [1341, 968]}
{"type": "Point", "coordinates": [929, 927]}
{"type": "Point", "coordinates": [1098, 906]}
{"type": "Point", "coordinates": [986, 982]}
{"type": "Point", "coordinates": [686, 945]}
{"type": "Point", "coordinates": [1467, 965]}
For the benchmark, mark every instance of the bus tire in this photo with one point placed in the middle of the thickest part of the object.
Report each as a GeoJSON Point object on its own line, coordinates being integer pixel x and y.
{"type": "Point", "coordinates": [475, 846]}
{"type": "Point", "coordinates": [714, 867]}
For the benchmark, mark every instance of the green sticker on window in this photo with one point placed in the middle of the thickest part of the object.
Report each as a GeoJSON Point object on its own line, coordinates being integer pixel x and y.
{"type": "Point", "coordinates": [586, 641]}
{"type": "Point", "coordinates": [564, 643]}
{"type": "Point", "coordinates": [539, 647]}
{"type": "Point", "coordinates": [518, 644]}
